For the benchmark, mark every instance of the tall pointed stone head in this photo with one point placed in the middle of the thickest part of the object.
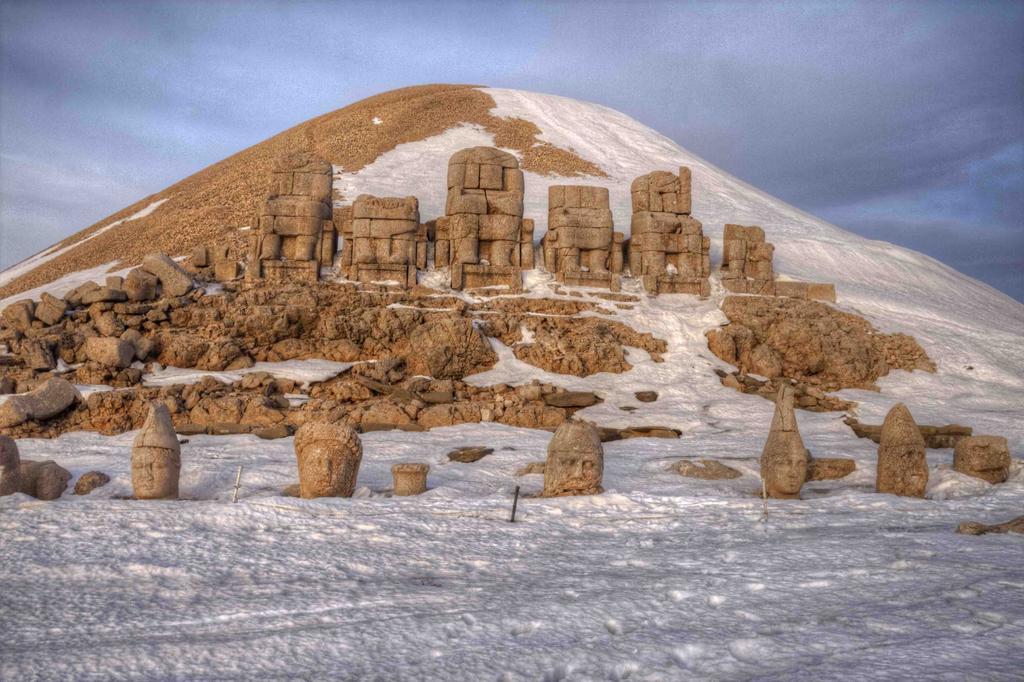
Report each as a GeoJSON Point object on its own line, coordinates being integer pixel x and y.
{"type": "Point", "coordinates": [156, 456]}
{"type": "Point", "coordinates": [902, 467]}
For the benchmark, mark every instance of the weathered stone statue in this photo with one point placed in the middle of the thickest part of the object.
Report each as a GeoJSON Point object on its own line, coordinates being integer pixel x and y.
{"type": "Point", "coordinates": [328, 458]}
{"type": "Point", "coordinates": [784, 459]}
{"type": "Point", "coordinates": [10, 466]}
{"type": "Point", "coordinates": [575, 464]}
{"type": "Point", "coordinates": [156, 457]}
{"type": "Point", "coordinates": [483, 236]}
{"type": "Point", "coordinates": [902, 467]}
{"type": "Point", "coordinates": [581, 247]}
{"type": "Point", "coordinates": [984, 457]}
{"type": "Point", "coordinates": [388, 243]}
{"type": "Point", "coordinates": [410, 478]}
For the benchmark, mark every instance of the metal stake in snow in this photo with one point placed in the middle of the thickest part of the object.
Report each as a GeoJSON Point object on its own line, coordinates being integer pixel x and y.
{"type": "Point", "coordinates": [515, 503]}
{"type": "Point", "coordinates": [764, 498]}
{"type": "Point", "coordinates": [238, 483]}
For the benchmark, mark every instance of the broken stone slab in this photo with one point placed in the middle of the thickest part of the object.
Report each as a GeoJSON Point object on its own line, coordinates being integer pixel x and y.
{"type": "Point", "coordinates": [273, 432]}
{"type": "Point", "coordinates": [706, 469]}
{"type": "Point", "coordinates": [829, 468]}
{"type": "Point", "coordinates": [48, 400]}
{"type": "Point", "coordinates": [19, 315]}
{"type": "Point", "coordinates": [140, 285]}
{"type": "Point", "coordinates": [469, 454]}
{"type": "Point", "coordinates": [572, 399]}
{"type": "Point", "coordinates": [975, 528]}
{"type": "Point", "coordinates": [173, 278]}
{"type": "Point", "coordinates": [51, 309]}
{"type": "Point", "coordinates": [104, 295]}
{"type": "Point", "coordinates": [935, 437]}
{"type": "Point", "coordinates": [532, 468]}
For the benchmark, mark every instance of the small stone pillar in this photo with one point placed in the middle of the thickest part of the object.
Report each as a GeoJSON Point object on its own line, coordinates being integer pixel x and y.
{"type": "Point", "coordinates": [156, 457]}
{"type": "Point", "coordinates": [328, 457]}
{"type": "Point", "coordinates": [10, 466]}
{"type": "Point", "coordinates": [902, 467]}
{"type": "Point", "coordinates": [410, 478]}
{"type": "Point", "coordinates": [575, 464]}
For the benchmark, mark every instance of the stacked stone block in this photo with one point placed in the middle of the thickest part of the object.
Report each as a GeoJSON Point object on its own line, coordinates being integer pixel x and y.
{"type": "Point", "coordinates": [483, 237]}
{"type": "Point", "coordinates": [747, 268]}
{"type": "Point", "coordinates": [668, 251]}
{"type": "Point", "coordinates": [295, 234]}
{"type": "Point", "coordinates": [388, 242]}
{"type": "Point", "coordinates": [581, 247]}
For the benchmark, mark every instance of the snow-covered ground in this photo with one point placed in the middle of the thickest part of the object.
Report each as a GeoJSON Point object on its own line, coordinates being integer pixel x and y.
{"type": "Point", "coordinates": [661, 577]}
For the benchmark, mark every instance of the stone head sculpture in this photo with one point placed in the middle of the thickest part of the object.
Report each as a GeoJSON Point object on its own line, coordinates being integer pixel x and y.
{"type": "Point", "coordinates": [156, 457]}
{"type": "Point", "coordinates": [784, 459]}
{"type": "Point", "coordinates": [328, 458]}
{"type": "Point", "coordinates": [575, 464]}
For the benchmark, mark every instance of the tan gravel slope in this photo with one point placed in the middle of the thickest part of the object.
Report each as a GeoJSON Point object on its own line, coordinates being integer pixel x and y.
{"type": "Point", "coordinates": [225, 196]}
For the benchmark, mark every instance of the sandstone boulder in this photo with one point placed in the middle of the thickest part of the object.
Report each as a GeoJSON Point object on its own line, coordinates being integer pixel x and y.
{"type": "Point", "coordinates": [173, 278]}
{"type": "Point", "coordinates": [109, 351]}
{"type": "Point", "coordinates": [10, 466]}
{"type": "Point", "coordinates": [328, 459]}
{"type": "Point", "coordinates": [44, 480]}
{"type": "Point", "coordinates": [902, 467]}
{"type": "Point", "coordinates": [784, 458]}
{"type": "Point", "coordinates": [140, 285]}
{"type": "Point", "coordinates": [575, 462]}
{"type": "Point", "coordinates": [48, 400]}
{"type": "Point", "coordinates": [156, 457]}
{"type": "Point", "coordinates": [51, 309]}
{"type": "Point", "coordinates": [984, 457]}
{"type": "Point", "coordinates": [571, 399]}
{"type": "Point", "coordinates": [449, 348]}
{"type": "Point", "coordinates": [19, 315]}
{"type": "Point", "coordinates": [89, 481]}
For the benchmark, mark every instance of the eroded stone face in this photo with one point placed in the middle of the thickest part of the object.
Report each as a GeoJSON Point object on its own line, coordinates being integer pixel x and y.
{"type": "Point", "coordinates": [784, 458]}
{"type": "Point", "coordinates": [328, 458]}
{"type": "Point", "coordinates": [902, 467]}
{"type": "Point", "coordinates": [575, 464]}
{"type": "Point", "coordinates": [156, 457]}
{"type": "Point", "coordinates": [984, 457]}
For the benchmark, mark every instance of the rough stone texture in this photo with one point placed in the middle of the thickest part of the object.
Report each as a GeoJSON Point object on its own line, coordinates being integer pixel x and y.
{"type": "Point", "coordinates": [140, 285]}
{"type": "Point", "coordinates": [812, 342]}
{"type": "Point", "coordinates": [667, 249]}
{"type": "Point", "coordinates": [328, 458]}
{"type": "Point", "coordinates": [410, 478]}
{"type": "Point", "coordinates": [156, 457]}
{"type": "Point", "coordinates": [575, 462]}
{"type": "Point", "coordinates": [572, 399]}
{"type": "Point", "coordinates": [110, 352]}
{"type": "Point", "coordinates": [174, 280]}
{"type": "Point", "coordinates": [706, 469]}
{"type": "Point", "coordinates": [807, 397]}
{"type": "Point", "coordinates": [50, 309]}
{"type": "Point", "coordinates": [449, 348]}
{"type": "Point", "coordinates": [48, 400]}
{"type": "Point", "coordinates": [89, 481]}
{"type": "Point", "coordinates": [468, 455]}
{"type": "Point", "coordinates": [830, 468]}
{"type": "Point", "coordinates": [984, 457]}
{"type": "Point", "coordinates": [387, 241]}
{"type": "Point", "coordinates": [43, 480]}
{"type": "Point", "coordinates": [10, 466]}
{"type": "Point", "coordinates": [784, 459]}
{"type": "Point", "coordinates": [483, 237]}
{"type": "Point", "coordinates": [975, 528]}
{"type": "Point", "coordinates": [902, 468]}
{"type": "Point", "coordinates": [19, 315]}
{"type": "Point", "coordinates": [581, 247]}
{"type": "Point", "coordinates": [295, 231]}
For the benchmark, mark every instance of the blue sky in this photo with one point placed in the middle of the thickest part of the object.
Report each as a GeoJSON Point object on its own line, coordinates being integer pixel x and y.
{"type": "Point", "coordinates": [899, 121]}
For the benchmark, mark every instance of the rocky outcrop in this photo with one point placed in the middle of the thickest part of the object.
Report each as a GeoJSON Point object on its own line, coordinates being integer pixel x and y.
{"type": "Point", "coordinates": [448, 348]}
{"type": "Point", "coordinates": [810, 342]}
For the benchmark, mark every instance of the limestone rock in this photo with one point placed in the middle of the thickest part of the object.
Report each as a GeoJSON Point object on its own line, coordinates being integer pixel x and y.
{"type": "Point", "coordinates": [173, 278]}
{"type": "Point", "coordinates": [984, 457]}
{"type": "Point", "coordinates": [449, 348]}
{"type": "Point", "coordinates": [48, 400]}
{"type": "Point", "coordinates": [109, 351]}
{"type": "Point", "coordinates": [830, 468]}
{"type": "Point", "coordinates": [44, 480]}
{"type": "Point", "coordinates": [902, 467]}
{"type": "Point", "coordinates": [707, 469]}
{"type": "Point", "coordinates": [38, 356]}
{"type": "Point", "coordinates": [646, 396]}
{"type": "Point", "coordinates": [89, 481]}
{"type": "Point", "coordinates": [328, 459]}
{"type": "Point", "coordinates": [975, 528]}
{"type": "Point", "coordinates": [19, 315]}
{"type": "Point", "coordinates": [784, 458]}
{"type": "Point", "coordinates": [10, 466]}
{"type": "Point", "coordinates": [51, 309]}
{"type": "Point", "coordinates": [575, 463]}
{"type": "Point", "coordinates": [410, 478]}
{"type": "Point", "coordinates": [156, 457]}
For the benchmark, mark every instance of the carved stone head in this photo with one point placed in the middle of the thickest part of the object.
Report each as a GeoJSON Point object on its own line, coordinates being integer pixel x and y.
{"type": "Point", "coordinates": [575, 464]}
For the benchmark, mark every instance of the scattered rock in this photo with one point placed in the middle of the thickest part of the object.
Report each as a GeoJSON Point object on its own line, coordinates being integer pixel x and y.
{"type": "Point", "coordinates": [706, 469]}
{"type": "Point", "coordinates": [531, 468]}
{"type": "Point", "coordinates": [293, 490]}
{"type": "Point", "coordinates": [902, 467]}
{"type": "Point", "coordinates": [328, 459]}
{"type": "Point", "coordinates": [572, 399]}
{"type": "Point", "coordinates": [575, 463]}
{"type": "Point", "coordinates": [646, 396]}
{"type": "Point", "coordinates": [173, 278]}
{"type": "Point", "coordinates": [470, 454]}
{"type": "Point", "coordinates": [410, 478]}
{"type": "Point", "coordinates": [109, 352]}
{"type": "Point", "coordinates": [89, 481]}
{"type": "Point", "coordinates": [984, 457]}
{"type": "Point", "coordinates": [273, 432]}
{"type": "Point", "coordinates": [50, 309]}
{"type": "Point", "coordinates": [10, 466]}
{"type": "Point", "coordinates": [974, 528]}
{"type": "Point", "coordinates": [934, 436]}
{"type": "Point", "coordinates": [156, 457]}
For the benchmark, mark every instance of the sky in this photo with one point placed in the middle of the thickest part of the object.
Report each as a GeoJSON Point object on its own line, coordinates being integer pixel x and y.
{"type": "Point", "coordinates": [897, 121]}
